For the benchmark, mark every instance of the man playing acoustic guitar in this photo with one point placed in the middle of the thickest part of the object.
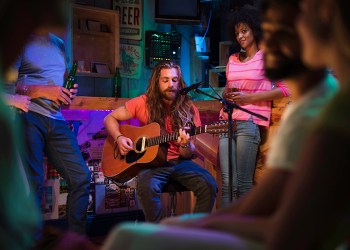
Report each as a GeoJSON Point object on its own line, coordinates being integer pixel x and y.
{"type": "Point", "coordinates": [162, 104]}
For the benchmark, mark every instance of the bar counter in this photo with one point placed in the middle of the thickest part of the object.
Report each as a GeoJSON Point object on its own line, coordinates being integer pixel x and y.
{"type": "Point", "coordinates": [109, 103]}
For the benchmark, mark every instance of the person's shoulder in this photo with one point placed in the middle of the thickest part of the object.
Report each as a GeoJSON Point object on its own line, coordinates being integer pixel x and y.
{"type": "Point", "coordinates": [259, 54]}
{"type": "Point", "coordinates": [194, 108]}
{"type": "Point", "coordinates": [234, 57]}
{"type": "Point", "coordinates": [142, 97]}
{"type": "Point", "coordinates": [193, 105]}
{"type": "Point", "coordinates": [331, 81]}
{"type": "Point", "coordinates": [138, 99]}
{"type": "Point", "coordinates": [57, 40]}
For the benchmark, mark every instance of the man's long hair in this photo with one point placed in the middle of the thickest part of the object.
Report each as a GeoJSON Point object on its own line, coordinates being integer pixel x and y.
{"type": "Point", "coordinates": [181, 110]}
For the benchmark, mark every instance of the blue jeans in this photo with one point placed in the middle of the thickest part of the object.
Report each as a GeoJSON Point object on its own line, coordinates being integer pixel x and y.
{"type": "Point", "coordinates": [54, 139]}
{"type": "Point", "coordinates": [245, 146]}
{"type": "Point", "coordinates": [150, 183]}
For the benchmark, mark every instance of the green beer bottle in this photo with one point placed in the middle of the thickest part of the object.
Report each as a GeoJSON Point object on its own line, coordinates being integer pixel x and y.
{"type": "Point", "coordinates": [117, 82]}
{"type": "Point", "coordinates": [70, 79]}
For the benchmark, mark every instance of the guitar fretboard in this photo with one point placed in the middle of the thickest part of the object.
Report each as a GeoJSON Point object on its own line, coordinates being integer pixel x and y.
{"type": "Point", "coordinates": [173, 136]}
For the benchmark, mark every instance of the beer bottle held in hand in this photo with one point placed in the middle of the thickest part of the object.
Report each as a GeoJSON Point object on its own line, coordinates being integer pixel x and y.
{"type": "Point", "coordinates": [117, 82]}
{"type": "Point", "coordinates": [70, 79]}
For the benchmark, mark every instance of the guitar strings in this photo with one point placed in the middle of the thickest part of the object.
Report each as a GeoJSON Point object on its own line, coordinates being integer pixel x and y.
{"type": "Point", "coordinates": [185, 118]}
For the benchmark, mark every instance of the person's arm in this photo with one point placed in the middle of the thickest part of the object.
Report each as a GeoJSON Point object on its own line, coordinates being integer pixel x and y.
{"type": "Point", "coordinates": [243, 97]}
{"type": "Point", "coordinates": [18, 101]}
{"type": "Point", "coordinates": [251, 216]}
{"type": "Point", "coordinates": [250, 227]}
{"type": "Point", "coordinates": [260, 201]}
{"type": "Point", "coordinates": [316, 199]}
{"type": "Point", "coordinates": [280, 90]}
{"type": "Point", "coordinates": [111, 122]}
{"type": "Point", "coordinates": [55, 93]}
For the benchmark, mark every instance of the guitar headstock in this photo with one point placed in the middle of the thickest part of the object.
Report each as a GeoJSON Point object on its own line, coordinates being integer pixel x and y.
{"type": "Point", "coordinates": [217, 127]}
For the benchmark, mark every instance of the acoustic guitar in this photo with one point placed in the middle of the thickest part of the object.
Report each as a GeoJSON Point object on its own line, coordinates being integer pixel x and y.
{"type": "Point", "coordinates": [150, 149]}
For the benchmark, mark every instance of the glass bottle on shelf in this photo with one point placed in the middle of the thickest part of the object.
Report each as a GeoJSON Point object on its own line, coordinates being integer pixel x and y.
{"type": "Point", "coordinates": [70, 79]}
{"type": "Point", "coordinates": [117, 83]}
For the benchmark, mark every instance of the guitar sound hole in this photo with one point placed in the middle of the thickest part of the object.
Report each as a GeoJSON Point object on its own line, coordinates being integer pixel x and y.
{"type": "Point", "coordinates": [133, 156]}
{"type": "Point", "coordinates": [138, 147]}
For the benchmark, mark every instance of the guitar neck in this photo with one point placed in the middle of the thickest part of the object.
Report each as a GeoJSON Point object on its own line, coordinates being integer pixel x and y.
{"type": "Point", "coordinates": [173, 136]}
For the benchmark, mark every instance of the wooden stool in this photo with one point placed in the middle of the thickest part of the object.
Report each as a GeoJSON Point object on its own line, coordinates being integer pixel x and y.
{"type": "Point", "coordinates": [172, 187]}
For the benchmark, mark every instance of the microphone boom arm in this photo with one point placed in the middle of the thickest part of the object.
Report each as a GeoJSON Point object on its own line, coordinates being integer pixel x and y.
{"type": "Point", "coordinates": [195, 86]}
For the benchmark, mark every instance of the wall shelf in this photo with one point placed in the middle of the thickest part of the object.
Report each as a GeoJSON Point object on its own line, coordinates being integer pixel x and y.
{"type": "Point", "coordinates": [101, 42]}
{"type": "Point", "coordinates": [91, 74]}
{"type": "Point", "coordinates": [94, 39]}
{"type": "Point", "coordinates": [93, 33]}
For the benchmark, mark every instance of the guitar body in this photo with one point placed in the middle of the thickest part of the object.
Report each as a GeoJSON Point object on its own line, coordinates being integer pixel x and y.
{"type": "Point", "coordinates": [150, 149]}
{"type": "Point", "coordinates": [123, 168]}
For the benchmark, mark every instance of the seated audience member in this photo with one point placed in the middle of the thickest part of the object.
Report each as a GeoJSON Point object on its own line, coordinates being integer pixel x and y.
{"type": "Point", "coordinates": [314, 212]}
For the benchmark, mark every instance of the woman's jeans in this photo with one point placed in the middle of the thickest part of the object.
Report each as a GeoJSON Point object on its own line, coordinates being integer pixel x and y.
{"type": "Point", "coordinates": [245, 146]}
{"type": "Point", "coordinates": [54, 139]}
{"type": "Point", "coordinates": [150, 183]}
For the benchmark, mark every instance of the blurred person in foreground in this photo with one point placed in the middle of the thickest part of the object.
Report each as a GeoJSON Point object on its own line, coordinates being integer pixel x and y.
{"type": "Point", "coordinates": [20, 217]}
{"type": "Point", "coordinates": [41, 67]}
{"type": "Point", "coordinates": [315, 210]}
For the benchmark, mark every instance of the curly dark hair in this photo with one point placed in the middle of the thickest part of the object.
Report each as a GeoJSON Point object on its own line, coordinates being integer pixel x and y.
{"type": "Point", "coordinates": [248, 15]}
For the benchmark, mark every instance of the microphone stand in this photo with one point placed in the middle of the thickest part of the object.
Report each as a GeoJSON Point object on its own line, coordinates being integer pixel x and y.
{"type": "Point", "coordinates": [229, 106]}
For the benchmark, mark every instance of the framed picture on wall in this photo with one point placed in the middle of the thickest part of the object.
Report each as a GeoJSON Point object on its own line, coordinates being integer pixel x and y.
{"type": "Point", "coordinates": [101, 68]}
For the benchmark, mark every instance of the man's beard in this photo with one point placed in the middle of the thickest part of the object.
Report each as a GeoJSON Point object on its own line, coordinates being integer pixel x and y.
{"type": "Point", "coordinates": [169, 94]}
{"type": "Point", "coordinates": [286, 69]}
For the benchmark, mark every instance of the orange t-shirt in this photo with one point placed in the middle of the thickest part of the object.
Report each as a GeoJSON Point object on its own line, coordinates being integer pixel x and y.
{"type": "Point", "coordinates": [137, 108]}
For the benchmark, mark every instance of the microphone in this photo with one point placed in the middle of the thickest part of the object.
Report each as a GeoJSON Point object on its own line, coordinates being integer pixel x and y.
{"type": "Point", "coordinates": [184, 91]}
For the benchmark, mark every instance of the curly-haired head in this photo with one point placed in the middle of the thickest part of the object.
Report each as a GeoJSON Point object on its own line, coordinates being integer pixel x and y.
{"type": "Point", "coordinates": [248, 15]}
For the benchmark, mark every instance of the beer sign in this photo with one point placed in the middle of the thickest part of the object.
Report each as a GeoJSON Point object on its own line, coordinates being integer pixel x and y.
{"type": "Point", "coordinates": [130, 18]}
